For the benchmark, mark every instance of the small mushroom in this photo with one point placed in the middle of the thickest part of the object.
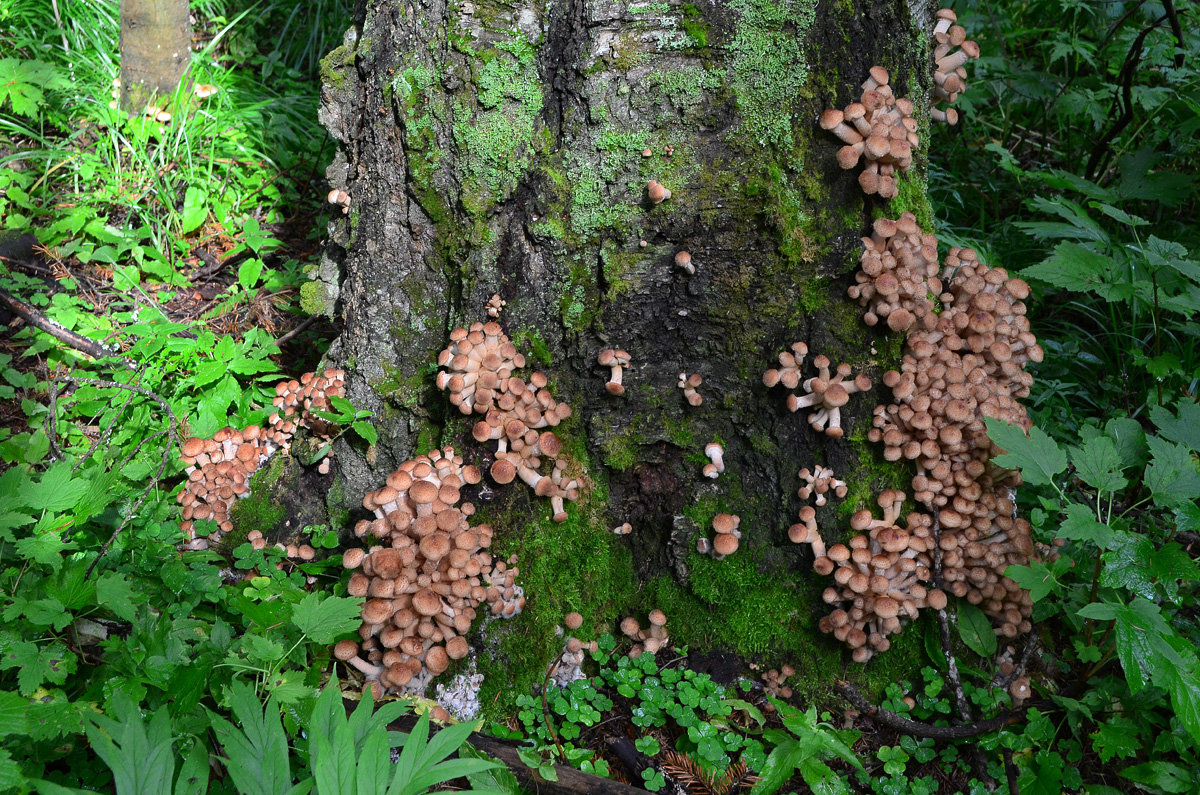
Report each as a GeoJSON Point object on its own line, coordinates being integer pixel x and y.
{"type": "Point", "coordinates": [689, 384]}
{"type": "Point", "coordinates": [615, 359]}
{"type": "Point", "coordinates": [683, 261]}
{"type": "Point", "coordinates": [716, 464]}
{"type": "Point", "coordinates": [656, 192]}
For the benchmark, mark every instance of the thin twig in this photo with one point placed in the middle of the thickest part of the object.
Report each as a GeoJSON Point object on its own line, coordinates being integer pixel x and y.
{"type": "Point", "coordinates": [916, 728]}
{"type": "Point", "coordinates": [305, 324]}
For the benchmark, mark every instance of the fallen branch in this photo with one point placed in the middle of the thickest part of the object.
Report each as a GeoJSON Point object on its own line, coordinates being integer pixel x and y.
{"type": "Point", "coordinates": [55, 329]}
{"type": "Point", "coordinates": [916, 728]}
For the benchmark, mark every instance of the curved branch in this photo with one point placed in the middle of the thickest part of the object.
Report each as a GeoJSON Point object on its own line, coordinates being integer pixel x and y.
{"type": "Point", "coordinates": [916, 728]}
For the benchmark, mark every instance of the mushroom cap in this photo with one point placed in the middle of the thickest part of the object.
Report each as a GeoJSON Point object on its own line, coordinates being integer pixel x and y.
{"type": "Point", "coordinates": [426, 602]}
{"type": "Point", "coordinates": [345, 649]}
{"type": "Point", "coordinates": [573, 621]}
{"type": "Point", "coordinates": [658, 618]}
{"type": "Point", "coordinates": [725, 544]}
{"type": "Point", "coordinates": [683, 259]}
{"type": "Point", "coordinates": [457, 647]}
{"type": "Point", "coordinates": [725, 523]}
{"type": "Point", "coordinates": [437, 660]}
{"type": "Point", "coordinates": [503, 471]}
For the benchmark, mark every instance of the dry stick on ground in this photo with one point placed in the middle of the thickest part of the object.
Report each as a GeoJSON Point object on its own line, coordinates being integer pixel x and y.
{"type": "Point", "coordinates": [172, 434]}
{"type": "Point", "coordinates": [917, 729]}
{"type": "Point", "coordinates": [305, 324]}
{"type": "Point", "coordinates": [36, 319]}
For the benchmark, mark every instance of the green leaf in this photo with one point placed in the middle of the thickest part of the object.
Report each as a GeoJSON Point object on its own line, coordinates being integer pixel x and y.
{"type": "Point", "coordinates": [195, 209]}
{"type": "Point", "coordinates": [1116, 739]}
{"type": "Point", "coordinates": [115, 592]}
{"type": "Point", "coordinates": [1075, 267]}
{"type": "Point", "coordinates": [780, 766]}
{"type": "Point", "coordinates": [975, 630]}
{"type": "Point", "coordinates": [1099, 465]}
{"type": "Point", "coordinates": [1127, 565]}
{"type": "Point", "coordinates": [248, 272]}
{"type": "Point", "coordinates": [257, 748]}
{"type": "Point", "coordinates": [57, 490]}
{"type": "Point", "coordinates": [1171, 564]}
{"type": "Point", "coordinates": [1183, 429]}
{"type": "Point", "coordinates": [1037, 578]}
{"type": "Point", "coordinates": [1171, 475]}
{"type": "Point", "coordinates": [1166, 776]}
{"type": "Point", "coordinates": [1037, 456]}
{"type": "Point", "coordinates": [193, 775]}
{"type": "Point", "coordinates": [1080, 525]}
{"type": "Point", "coordinates": [366, 431]}
{"type": "Point", "coordinates": [323, 620]}
{"type": "Point", "coordinates": [13, 709]}
{"type": "Point", "coordinates": [139, 755]}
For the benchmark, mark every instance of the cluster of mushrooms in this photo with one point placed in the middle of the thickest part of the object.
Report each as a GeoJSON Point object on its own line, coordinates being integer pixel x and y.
{"type": "Point", "coordinates": [879, 130]}
{"type": "Point", "coordinates": [825, 393]}
{"type": "Point", "coordinates": [219, 469]}
{"type": "Point", "coordinates": [648, 639]}
{"type": "Point", "coordinates": [879, 576]}
{"type": "Point", "coordinates": [425, 573]}
{"type": "Point", "coordinates": [478, 375]}
{"type": "Point", "coordinates": [961, 365]}
{"type": "Point", "coordinates": [949, 73]}
{"type": "Point", "coordinates": [818, 482]}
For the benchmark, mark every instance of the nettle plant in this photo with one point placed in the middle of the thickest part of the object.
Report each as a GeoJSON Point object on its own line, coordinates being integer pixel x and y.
{"type": "Point", "coordinates": [1124, 587]}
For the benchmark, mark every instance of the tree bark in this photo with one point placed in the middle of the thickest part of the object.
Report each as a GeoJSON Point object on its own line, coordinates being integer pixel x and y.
{"type": "Point", "coordinates": [501, 148]}
{"type": "Point", "coordinates": [156, 42]}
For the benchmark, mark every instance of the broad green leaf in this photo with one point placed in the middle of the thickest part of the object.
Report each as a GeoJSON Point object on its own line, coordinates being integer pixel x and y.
{"type": "Point", "coordinates": [366, 431]}
{"type": "Point", "coordinates": [13, 718]}
{"type": "Point", "coordinates": [1099, 465]}
{"type": "Point", "coordinates": [1184, 688]}
{"type": "Point", "coordinates": [1037, 456]}
{"type": "Point", "coordinates": [1184, 428]}
{"type": "Point", "coordinates": [1037, 578]}
{"type": "Point", "coordinates": [10, 772]}
{"type": "Point", "coordinates": [195, 209]}
{"type": "Point", "coordinates": [248, 273]}
{"type": "Point", "coordinates": [1171, 475]}
{"type": "Point", "coordinates": [1079, 269]}
{"type": "Point", "coordinates": [323, 620]}
{"type": "Point", "coordinates": [1166, 776]}
{"type": "Point", "coordinates": [257, 748]}
{"type": "Point", "coordinates": [57, 490]}
{"type": "Point", "coordinates": [780, 766]}
{"type": "Point", "coordinates": [193, 775]}
{"type": "Point", "coordinates": [975, 630]}
{"type": "Point", "coordinates": [1080, 525]}
{"type": "Point", "coordinates": [1127, 565]}
{"type": "Point", "coordinates": [115, 592]}
{"type": "Point", "coordinates": [1170, 564]}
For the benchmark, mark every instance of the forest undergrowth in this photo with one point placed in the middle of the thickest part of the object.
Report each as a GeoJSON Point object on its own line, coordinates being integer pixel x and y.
{"type": "Point", "coordinates": [178, 248]}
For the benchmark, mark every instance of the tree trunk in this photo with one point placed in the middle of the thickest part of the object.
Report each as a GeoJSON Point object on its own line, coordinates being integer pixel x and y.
{"type": "Point", "coordinates": [491, 148]}
{"type": "Point", "coordinates": [156, 42]}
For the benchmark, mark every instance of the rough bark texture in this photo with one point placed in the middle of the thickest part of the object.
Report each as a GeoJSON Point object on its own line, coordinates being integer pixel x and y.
{"type": "Point", "coordinates": [156, 41]}
{"type": "Point", "coordinates": [498, 148]}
